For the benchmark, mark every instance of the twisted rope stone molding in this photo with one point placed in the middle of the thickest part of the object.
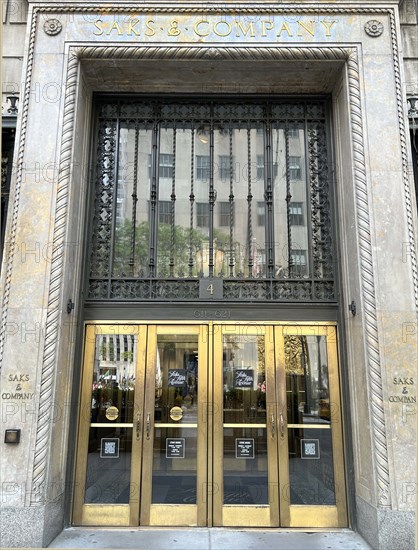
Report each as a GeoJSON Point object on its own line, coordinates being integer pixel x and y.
{"type": "Point", "coordinates": [203, 10]}
{"type": "Point", "coordinates": [54, 311]}
{"type": "Point", "coordinates": [15, 198]}
{"type": "Point", "coordinates": [198, 52]}
{"type": "Point", "coordinates": [367, 285]}
{"type": "Point", "coordinates": [404, 151]}
{"type": "Point", "coordinates": [57, 268]}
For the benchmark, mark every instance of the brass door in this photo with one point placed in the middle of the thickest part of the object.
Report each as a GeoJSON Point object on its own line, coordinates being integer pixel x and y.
{"type": "Point", "coordinates": [174, 472]}
{"type": "Point", "coordinates": [245, 427]}
{"type": "Point", "coordinates": [109, 455]}
{"type": "Point", "coordinates": [142, 445]}
{"type": "Point", "coordinates": [210, 424]}
{"type": "Point", "coordinates": [311, 460]}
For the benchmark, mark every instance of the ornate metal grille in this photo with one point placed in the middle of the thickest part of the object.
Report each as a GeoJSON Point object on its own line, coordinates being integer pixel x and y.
{"type": "Point", "coordinates": [231, 189]}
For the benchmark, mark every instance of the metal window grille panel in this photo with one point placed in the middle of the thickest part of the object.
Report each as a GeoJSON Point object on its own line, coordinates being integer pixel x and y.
{"type": "Point", "coordinates": [187, 157]}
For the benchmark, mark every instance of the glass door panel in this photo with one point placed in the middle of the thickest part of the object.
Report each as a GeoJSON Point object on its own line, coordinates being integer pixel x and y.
{"type": "Point", "coordinates": [310, 446]}
{"type": "Point", "coordinates": [175, 427]}
{"type": "Point", "coordinates": [107, 480]}
{"type": "Point", "coordinates": [245, 456]}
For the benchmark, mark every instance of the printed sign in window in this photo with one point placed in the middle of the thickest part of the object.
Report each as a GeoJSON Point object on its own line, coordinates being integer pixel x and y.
{"type": "Point", "coordinates": [109, 447]}
{"type": "Point", "coordinates": [309, 448]}
{"type": "Point", "coordinates": [177, 378]}
{"type": "Point", "coordinates": [244, 448]}
{"type": "Point", "coordinates": [243, 378]}
{"type": "Point", "coordinates": [175, 447]}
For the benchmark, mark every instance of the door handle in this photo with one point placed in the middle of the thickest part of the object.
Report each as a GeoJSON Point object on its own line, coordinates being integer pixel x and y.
{"type": "Point", "coordinates": [273, 426]}
{"type": "Point", "coordinates": [138, 426]}
{"type": "Point", "coordinates": [281, 425]}
{"type": "Point", "coordinates": [148, 425]}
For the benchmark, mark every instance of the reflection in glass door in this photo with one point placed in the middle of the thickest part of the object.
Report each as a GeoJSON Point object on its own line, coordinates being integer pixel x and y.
{"type": "Point", "coordinates": [108, 484]}
{"type": "Point", "coordinates": [310, 445]}
{"type": "Point", "coordinates": [175, 440]}
{"type": "Point", "coordinates": [212, 424]}
{"type": "Point", "coordinates": [245, 436]}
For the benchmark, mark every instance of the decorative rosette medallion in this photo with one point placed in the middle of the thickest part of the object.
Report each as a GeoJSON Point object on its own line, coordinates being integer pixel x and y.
{"type": "Point", "coordinates": [52, 27]}
{"type": "Point", "coordinates": [373, 28]}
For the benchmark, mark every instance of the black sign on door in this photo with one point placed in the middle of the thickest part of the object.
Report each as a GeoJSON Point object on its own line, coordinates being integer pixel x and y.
{"type": "Point", "coordinates": [177, 378]}
{"type": "Point", "coordinates": [244, 448]}
{"type": "Point", "coordinates": [175, 447]}
{"type": "Point", "coordinates": [243, 378]}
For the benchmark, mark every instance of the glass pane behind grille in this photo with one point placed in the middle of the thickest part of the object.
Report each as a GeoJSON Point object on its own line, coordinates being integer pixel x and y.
{"type": "Point", "coordinates": [212, 189]}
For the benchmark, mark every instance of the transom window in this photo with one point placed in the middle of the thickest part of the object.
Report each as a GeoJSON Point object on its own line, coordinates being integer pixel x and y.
{"type": "Point", "coordinates": [296, 213]}
{"type": "Point", "coordinates": [225, 214]}
{"type": "Point", "coordinates": [202, 214]}
{"type": "Point", "coordinates": [261, 213]}
{"type": "Point", "coordinates": [202, 167]}
{"type": "Point", "coordinates": [164, 212]}
{"type": "Point", "coordinates": [165, 166]}
{"type": "Point", "coordinates": [187, 189]}
{"type": "Point", "coordinates": [224, 167]}
{"type": "Point", "coordinates": [295, 168]}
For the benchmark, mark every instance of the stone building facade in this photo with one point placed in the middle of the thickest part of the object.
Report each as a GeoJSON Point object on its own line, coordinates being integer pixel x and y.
{"type": "Point", "coordinates": [223, 187]}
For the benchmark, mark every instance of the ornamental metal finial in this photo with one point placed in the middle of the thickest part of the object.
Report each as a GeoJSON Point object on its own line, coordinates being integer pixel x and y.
{"type": "Point", "coordinates": [373, 28]}
{"type": "Point", "coordinates": [412, 106]}
{"type": "Point", "coordinates": [52, 27]}
{"type": "Point", "coordinates": [12, 99]}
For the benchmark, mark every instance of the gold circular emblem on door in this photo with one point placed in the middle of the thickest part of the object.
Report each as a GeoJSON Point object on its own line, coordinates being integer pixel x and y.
{"type": "Point", "coordinates": [176, 413]}
{"type": "Point", "coordinates": [112, 413]}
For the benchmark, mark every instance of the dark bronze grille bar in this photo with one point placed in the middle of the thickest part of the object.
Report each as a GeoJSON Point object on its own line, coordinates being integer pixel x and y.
{"type": "Point", "coordinates": [231, 204]}
{"type": "Point", "coordinates": [113, 209]}
{"type": "Point", "coordinates": [309, 196]}
{"type": "Point", "coordinates": [288, 199]}
{"type": "Point", "coordinates": [153, 225]}
{"type": "Point", "coordinates": [192, 201]}
{"type": "Point", "coordinates": [268, 197]}
{"type": "Point", "coordinates": [212, 194]}
{"type": "Point", "coordinates": [173, 204]}
{"type": "Point", "coordinates": [250, 205]}
{"type": "Point", "coordinates": [134, 202]}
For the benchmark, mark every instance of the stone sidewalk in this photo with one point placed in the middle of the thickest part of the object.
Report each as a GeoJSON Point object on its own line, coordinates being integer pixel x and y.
{"type": "Point", "coordinates": [208, 539]}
